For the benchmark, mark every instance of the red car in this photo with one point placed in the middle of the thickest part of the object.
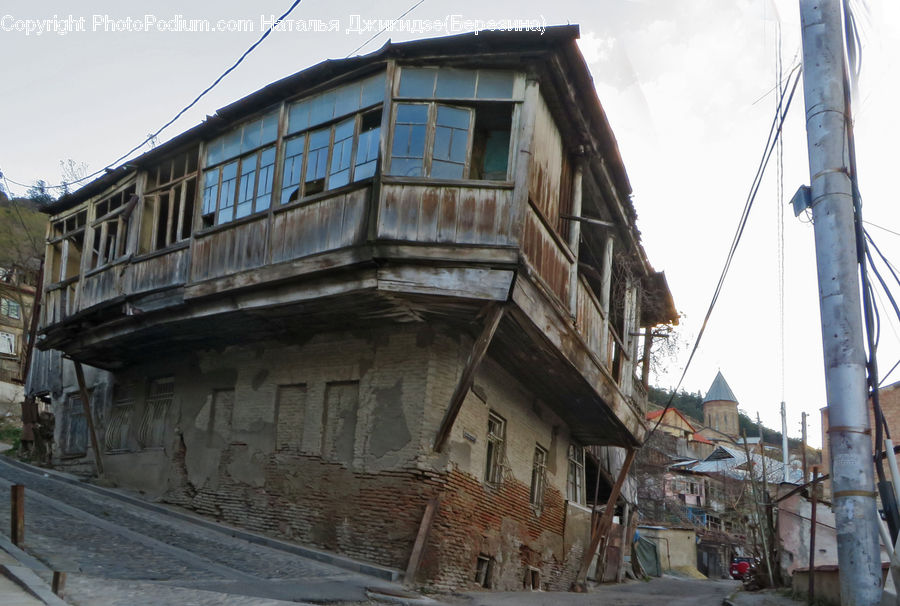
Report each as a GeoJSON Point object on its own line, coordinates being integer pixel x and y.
{"type": "Point", "coordinates": [740, 567]}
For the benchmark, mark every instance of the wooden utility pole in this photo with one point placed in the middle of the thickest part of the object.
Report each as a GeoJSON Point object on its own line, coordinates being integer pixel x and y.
{"type": "Point", "coordinates": [86, 404]}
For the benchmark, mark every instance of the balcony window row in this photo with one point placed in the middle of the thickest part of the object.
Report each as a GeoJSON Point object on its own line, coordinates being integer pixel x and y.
{"type": "Point", "coordinates": [168, 213]}
{"type": "Point", "coordinates": [238, 188]}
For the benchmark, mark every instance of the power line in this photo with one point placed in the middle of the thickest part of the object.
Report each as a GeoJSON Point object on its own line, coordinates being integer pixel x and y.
{"type": "Point", "coordinates": [774, 134]}
{"type": "Point", "coordinates": [153, 135]}
{"type": "Point", "coordinates": [890, 231]}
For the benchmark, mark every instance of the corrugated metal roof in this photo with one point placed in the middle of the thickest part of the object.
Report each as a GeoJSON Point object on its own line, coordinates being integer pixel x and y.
{"type": "Point", "coordinates": [719, 390]}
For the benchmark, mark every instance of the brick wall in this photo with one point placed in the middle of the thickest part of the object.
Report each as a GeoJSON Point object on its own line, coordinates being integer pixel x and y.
{"type": "Point", "coordinates": [329, 443]}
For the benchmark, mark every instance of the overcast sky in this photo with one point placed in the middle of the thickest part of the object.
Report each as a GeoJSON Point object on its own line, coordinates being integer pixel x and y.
{"type": "Point", "coordinates": [686, 85]}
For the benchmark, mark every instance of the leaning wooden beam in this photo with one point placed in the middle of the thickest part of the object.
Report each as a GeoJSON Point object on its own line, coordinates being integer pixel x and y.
{"type": "Point", "coordinates": [86, 403]}
{"type": "Point", "coordinates": [600, 529]}
{"type": "Point", "coordinates": [479, 349]}
{"type": "Point", "coordinates": [415, 557]}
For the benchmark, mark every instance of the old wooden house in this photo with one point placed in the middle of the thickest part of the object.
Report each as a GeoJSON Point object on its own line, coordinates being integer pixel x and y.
{"type": "Point", "coordinates": [392, 284]}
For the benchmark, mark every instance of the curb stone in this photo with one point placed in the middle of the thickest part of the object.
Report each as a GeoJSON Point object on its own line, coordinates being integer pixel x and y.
{"type": "Point", "coordinates": [31, 583]}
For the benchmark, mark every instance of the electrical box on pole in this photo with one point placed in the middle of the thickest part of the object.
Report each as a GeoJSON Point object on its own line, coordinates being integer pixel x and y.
{"type": "Point", "coordinates": [852, 472]}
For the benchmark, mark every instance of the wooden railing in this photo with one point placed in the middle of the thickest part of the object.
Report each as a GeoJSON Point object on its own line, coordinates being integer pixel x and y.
{"type": "Point", "coordinates": [451, 214]}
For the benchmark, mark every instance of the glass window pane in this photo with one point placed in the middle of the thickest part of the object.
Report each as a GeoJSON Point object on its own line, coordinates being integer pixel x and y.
{"type": "Point", "coordinates": [417, 82]}
{"type": "Point", "coordinates": [264, 183]}
{"type": "Point", "coordinates": [453, 117]}
{"type": "Point", "coordinates": [293, 165]}
{"type": "Point", "coordinates": [247, 184]}
{"type": "Point", "coordinates": [322, 108]}
{"type": "Point", "coordinates": [252, 132]}
{"type": "Point", "coordinates": [232, 143]}
{"type": "Point", "coordinates": [495, 84]}
{"type": "Point", "coordinates": [215, 152]}
{"type": "Point", "coordinates": [406, 167]}
{"type": "Point", "coordinates": [269, 128]}
{"type": "Point", "coordinates": [346, 99]}
{"type": "Point", "coordinates": [412, 114]}
{"type": "Point", "coordinates": [317, 159]}
{"type": "Point", "coordinates": [372, 90]}
{"type": "Point", "coordinates": [210, 190]}
{"type": "Point", "coordinates": [446, 170]}
{"type": "Point", "coordinates": [298, 116]}
{"type": "Point", "coordinates": [455, 83]}
{"type": "Point", "coordinates": [366, 154]}
{"type": "Point", "coordinates": [341, 154]}
{"type": "Point", "coordinates": [226, 200]}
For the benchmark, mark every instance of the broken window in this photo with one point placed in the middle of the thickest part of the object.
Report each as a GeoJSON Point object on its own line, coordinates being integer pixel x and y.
{"type": "Point", "coordinates": [9, 308]}
{"type": "Point", "coordinates": [496, 434]}
{"type": "Point", "coordinates": [575, 482]}
{"type": "Point", "coordinates": [483, 569]}
{"type": "Point", "coordinates": [239, 171]}
{"type": "Point", "coordinates": [238, 188]}
{"type": "Point", "coordinates": [168, 214]}
{"type": "Point", "coordinates": [538, 477]}
{"type": "Point", "coordinates": [160, 392]}
{"type": "Point", "coordinates": [331, 157]}
{"type": "Point", "coordinates": [335, 103]}
{"type": "Point", "coordinates": [65, 246]}
{"type": "Point", "coordinates": [111, 219]}
{"type": "Point", "coordinates": [451, 141]}
{"type": "Point", "coordinates": [7, 343]}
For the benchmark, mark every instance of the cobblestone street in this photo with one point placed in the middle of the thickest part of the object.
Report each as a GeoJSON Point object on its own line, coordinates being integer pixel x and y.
{"type": "Point", "coordinates": [116, 552]}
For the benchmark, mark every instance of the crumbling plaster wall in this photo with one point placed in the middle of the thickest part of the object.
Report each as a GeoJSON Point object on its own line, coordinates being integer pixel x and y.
{"type": "Point", "coordinates": [329, 442]}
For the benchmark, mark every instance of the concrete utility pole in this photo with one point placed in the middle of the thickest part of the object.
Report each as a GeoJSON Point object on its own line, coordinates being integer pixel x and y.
{"type": "Point", "coordinates": [852, 472]}
{"type": "Point", "coordinates": [785, 455]}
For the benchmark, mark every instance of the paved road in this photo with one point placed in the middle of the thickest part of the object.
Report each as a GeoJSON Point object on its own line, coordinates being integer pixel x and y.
{"type": "Point", "coordinates": [119, 553]}
{"type": "Point", "coordinates": [666, 591]}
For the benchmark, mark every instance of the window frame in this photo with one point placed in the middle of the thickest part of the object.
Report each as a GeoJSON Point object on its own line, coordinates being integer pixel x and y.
{"type": "Point", "coordinates": [10, 308]}
{"type": "Point", "coordinates": [494, 449]}
{"type": "Point", "coordinates": [331, 126]}
{"type": "Point", "coordinates": [11, 338]}
{"type": "Point", "coordinates": [538, 477]}
{"type": "Point", "coordinates": [238, 161]}
{"type": "Point", "coordinates": [180, 187]}
{"type": "Point", "coordinates": [66, 232]}
{"type": "Point", "coordinates": [107, 249]}
{"type": "Point", "coordinates": [575, 478]}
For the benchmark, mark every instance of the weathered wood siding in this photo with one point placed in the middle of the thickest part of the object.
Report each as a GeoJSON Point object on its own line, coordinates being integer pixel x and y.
{"type": "Point", "coordinates": [161, 271]}
{"type": "Point", "coordinates": [589, 320]}
{"type": "Point", "coordinates": [445, 214]}
{"type": "Point", "coordinates": [546, 164]}
{"type": "Point", "coordinates": [60, 303]}
{"type": "Point", "coordinates": [545, 254]}
{"type": "Point", "coordinates": [101, 286]}
{"type": "Point", "coordinates": [326, 224]}
{"type": "Point", "coordinates": [232, 249]}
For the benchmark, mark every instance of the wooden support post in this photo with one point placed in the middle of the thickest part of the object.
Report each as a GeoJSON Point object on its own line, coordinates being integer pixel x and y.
{"type": "Point", "coordinates": [59, 583]}
{"type": "Point", "coordinates": [479, 349]}
{"type": "Point", "coordinates": [17, 514]}
{"type": "Point", "coordinates": [803, 453]}
{"type": "Point", "coordinates": [810, 598]}
{"type": "Point", "coordinates": [415, 557]}
{"type": "Point", "coordinates": [645, 362]}
{"type": "Point", "coordinates": [601, 528]}
{"type": "Point", "coordinates": [86, 403]}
